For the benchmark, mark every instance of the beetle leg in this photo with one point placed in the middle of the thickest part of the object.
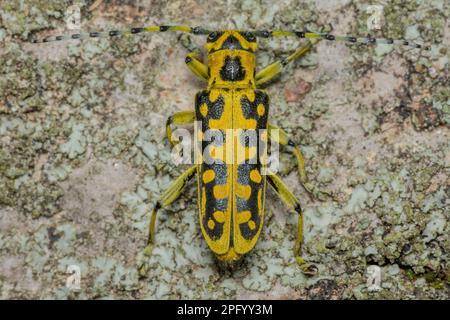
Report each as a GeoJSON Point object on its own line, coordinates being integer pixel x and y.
{"type": "Point", "coordinates": [269, 72]}
{"type": "Point", "coordinates": [193, 59]}
{"type": "Point", "coordinates": [167, 198]}
{"type": "Point", "coordinates": [292, 203]}
{"type": "Point", "coordinates": [283, 139]}
{"type": "Point", "coordinates": [179, 118]}
{"type": "Point", "coordinates": [196, 66]}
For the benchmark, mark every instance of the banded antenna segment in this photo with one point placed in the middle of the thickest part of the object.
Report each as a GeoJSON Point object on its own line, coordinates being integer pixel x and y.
{"type": "Point", "coordinates": [116, 33]}
{"type": "Point", "coordinates": [330, 37]}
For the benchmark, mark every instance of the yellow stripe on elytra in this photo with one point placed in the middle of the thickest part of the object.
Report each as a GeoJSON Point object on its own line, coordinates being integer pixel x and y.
{"type": "Point", "coordinates": [260, 201]}
{"type": "Point", "coordinates": [203, 200]}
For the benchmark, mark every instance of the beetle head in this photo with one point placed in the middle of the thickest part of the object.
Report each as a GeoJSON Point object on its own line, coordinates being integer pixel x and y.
{"type": "Point", "coordinates": [231, 40]}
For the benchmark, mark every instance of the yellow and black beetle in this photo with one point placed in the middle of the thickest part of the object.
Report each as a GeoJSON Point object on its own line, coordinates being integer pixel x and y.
{"type": "Point", "coordinates": [231, 194]}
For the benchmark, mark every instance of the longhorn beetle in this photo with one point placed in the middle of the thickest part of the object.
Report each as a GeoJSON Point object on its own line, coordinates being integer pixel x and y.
{"type": "Point", "coordinates": [231, 195]}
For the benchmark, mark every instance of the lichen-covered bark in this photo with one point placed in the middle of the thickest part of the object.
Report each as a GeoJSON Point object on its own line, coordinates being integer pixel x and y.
{"type": "Point", "coordinates": [83, 155]}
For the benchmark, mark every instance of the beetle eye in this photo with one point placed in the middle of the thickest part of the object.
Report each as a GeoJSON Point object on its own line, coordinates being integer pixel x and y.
{"type": "Point", "coordinates": [213, 36]}
{"type": "Point", "coordinates": [250, 37]}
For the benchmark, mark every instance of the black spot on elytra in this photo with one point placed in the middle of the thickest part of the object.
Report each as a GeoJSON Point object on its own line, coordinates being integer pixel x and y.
{"type": "Point", "coordinates": [215, 111]}
{"type": "Point", "coordinates": [249, 109]}
{"type": "Point", "coordinates": [213, 204]}
{"type": "Point", "coordinates": [243, 178]}
{"type": "Point", "coordinates": [215, 108]}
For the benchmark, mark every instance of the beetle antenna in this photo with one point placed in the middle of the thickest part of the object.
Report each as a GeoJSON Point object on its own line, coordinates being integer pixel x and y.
{"type": "Point", "coordinates": [115, 33]}
{"type": "Point", "coordinates": [330, 37]}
